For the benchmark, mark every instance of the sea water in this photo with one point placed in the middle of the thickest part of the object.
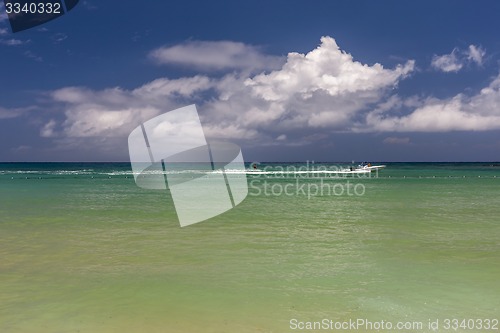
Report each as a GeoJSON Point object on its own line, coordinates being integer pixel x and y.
{"type": "Point", "coordinates": [83, 249]}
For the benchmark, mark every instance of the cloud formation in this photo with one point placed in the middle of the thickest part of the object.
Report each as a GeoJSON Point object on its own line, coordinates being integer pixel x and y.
{"type": "Point", "coordinates": [6, 113]}
{"type": "Point", "coordinates": [480, 112]}
{"type": "Point", "coordinates": [116, 111]}
{"type": "Point", "coordinates": [324, 89]}
{"type": "Point", "coordinates": [457, 59]}
{"type": "Point", "coordinates": [476, 54]}
{"type": "Point", "coordinates": [447, 62]}
{"type": "Point", "coordinates": [303, 101]}
{"type": "Point", "coordinates": [13, 42]}
{"type": "Point", "coordinates": [47, 130]}
{"type": "Point", "coordinates": [215, 55]}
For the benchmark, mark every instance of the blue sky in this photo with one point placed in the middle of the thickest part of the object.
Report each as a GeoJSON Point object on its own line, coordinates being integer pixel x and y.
{"type": "Point", "coordinates": [287, 80]}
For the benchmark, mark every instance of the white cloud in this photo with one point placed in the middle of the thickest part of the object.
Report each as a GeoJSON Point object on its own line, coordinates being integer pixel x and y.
{"type": "Point", "coordinates": [281, 137]}
{"type": "Point", "coordinates": [3, 31]}
{"type": "Point", "coordinates": [480, 112]}
{"type": "Point", "coordinates": [13, 42]}
{"type": "Point", "coordinates": [476, 54]}
{"type": "Point", "coordinates": [115, 111]}
{"type": "Point", "coordinates": [327, 69]}
{"type": "Point", "coordinates": [457, 59]}
{"type": "Point", "coordinates": [323, 89]}
{"type": "Point", "coordinates": [92, 121]}
{"type": "Point", "coordinates": [47, 130]}
{"type": "Point", "coordinates": [215, 55]}
{"type": "Point", "coordinates": [448, 62]}
{"type": "Point", "coordinates": [6, 113]}
{"type": "Point", "coordinates": [160, 89]}
{"type": "Point", "coordinates": [303, 101]}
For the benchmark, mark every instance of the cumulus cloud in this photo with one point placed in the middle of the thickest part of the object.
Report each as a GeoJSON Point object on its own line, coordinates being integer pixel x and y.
{"type": "Point", "coordinates": [324, 89]}
{"type": "Point", "coordinates": [91, 121]}
{"type": "Point", "coordinates": [215, 55]}
{"type": "Point", "coordinates": [327, 69]}
{"type": "Point", "coordinates": [480, 112]}
{"type": "Point", "coordinates": [115, 111]}
{"type": "Point", "coordinates": [447, 62]}
{"type": "Point", "coordinates": [303, 101]}
{"type": "Point", "coordinates": [457, 59]}
{"type": "Point", "coordinates": [47, 130]}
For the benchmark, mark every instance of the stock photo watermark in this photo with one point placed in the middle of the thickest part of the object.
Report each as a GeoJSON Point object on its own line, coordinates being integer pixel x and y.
{"type": "Point", "coordinates": [308, 180]}
{"type": "Point", "coordinates": [311, 169]}
{"type": "Point", "coordinates": [299, 187]}
{"type": "Point", "coordinates": [472, 324]}
{"type": "Point", "coordinates": [205, 179]}
{"type": "Point", "coordinates": [170, 152]}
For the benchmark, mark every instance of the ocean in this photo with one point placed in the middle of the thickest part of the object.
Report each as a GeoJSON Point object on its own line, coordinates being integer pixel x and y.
{"type": "Point", "coordinates": [414, 247]}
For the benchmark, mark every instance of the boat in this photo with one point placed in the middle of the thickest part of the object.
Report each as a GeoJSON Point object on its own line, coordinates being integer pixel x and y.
{"type": "Point", "coordinates": [363, 168]}
{"type": "Point", "coordinates": [369, 167]}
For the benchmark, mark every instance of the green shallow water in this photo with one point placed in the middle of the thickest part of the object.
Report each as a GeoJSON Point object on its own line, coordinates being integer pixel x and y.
{"type": "Point", "coordinates": [83, 249]}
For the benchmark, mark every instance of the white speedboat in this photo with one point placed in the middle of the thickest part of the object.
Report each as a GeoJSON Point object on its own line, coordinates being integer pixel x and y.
{"type": "Point", "coordinates": [369, 167]}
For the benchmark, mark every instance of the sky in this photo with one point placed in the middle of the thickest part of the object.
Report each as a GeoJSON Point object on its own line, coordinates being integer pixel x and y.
{"type": "Point", "coordinates": [286, 80]}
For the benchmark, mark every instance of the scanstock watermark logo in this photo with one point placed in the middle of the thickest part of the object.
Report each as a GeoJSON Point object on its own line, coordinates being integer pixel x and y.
{"type": "Point", "coordinates": [171, 152]}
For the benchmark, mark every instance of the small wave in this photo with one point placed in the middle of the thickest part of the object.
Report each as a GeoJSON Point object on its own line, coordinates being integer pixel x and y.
{"type": "Point", "coordinates": [47, 172]}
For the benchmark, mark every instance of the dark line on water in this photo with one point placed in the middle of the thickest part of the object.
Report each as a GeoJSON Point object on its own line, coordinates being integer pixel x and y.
{"type": "Point", "coordinates": [210, 156]}
{"type": "Point", "coordinates": [224, 173]}
{"type": "Point", "coordinates": [228, 188]}
{"type": "Point", "coordinates": [147, 143]}
{"type": "Point", "coordinates": [164, 167]}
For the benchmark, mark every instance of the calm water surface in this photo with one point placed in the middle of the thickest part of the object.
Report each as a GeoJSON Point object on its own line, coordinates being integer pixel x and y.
{"type": "Point", "coordinates": [83, 249]}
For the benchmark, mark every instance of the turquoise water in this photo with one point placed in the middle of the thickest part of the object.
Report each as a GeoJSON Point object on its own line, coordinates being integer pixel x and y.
{"type": "Point", "coordinates": [85, 250]}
